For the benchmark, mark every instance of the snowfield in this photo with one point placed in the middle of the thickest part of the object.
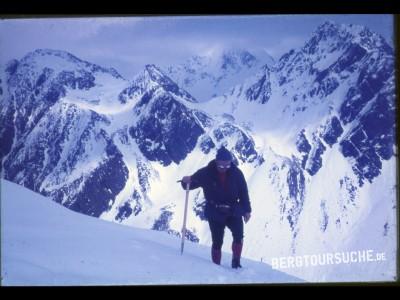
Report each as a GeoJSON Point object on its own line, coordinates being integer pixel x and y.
{"type": "Point", "coordinates": [46, 244]}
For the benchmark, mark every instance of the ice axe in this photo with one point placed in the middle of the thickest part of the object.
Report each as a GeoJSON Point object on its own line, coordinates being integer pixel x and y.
{"type": "Point", "coordinates": [184, 215]}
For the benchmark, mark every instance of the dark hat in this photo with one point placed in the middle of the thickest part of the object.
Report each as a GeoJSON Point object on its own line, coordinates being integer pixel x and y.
{"type": "Point", "coordinates": [223, 154]}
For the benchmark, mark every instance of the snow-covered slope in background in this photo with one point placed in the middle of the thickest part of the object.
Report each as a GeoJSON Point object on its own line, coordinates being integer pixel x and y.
{"type": "Point", "coordinates": [43, 243]}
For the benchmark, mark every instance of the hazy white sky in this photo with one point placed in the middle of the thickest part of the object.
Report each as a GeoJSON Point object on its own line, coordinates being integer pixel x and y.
{"type": "Point", "coordinates": [128, 43]}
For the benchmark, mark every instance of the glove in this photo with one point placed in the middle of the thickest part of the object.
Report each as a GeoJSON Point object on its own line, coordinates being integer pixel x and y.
{"type": "Point", "coordinates": [246, 217]}
{"type": "Point", "coordinates": [186, 179]}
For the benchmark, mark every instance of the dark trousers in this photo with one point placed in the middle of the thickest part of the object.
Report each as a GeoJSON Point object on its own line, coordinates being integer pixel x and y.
{"type": "Point", "coordinates": [235, 224]}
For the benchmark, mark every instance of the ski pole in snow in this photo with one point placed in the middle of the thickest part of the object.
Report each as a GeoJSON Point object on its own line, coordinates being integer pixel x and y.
{"type": "Point", "coordinates": [184, 217]}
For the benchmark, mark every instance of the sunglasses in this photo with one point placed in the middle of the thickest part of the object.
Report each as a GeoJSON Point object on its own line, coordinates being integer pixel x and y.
{"type": "Point", "coordinates": [223, 166]}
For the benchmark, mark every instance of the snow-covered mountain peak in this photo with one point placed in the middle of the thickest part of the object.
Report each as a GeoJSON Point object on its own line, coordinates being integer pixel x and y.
{"type": "Point", "coordinates": [154, 72]}
{"type": "Point", "coordinates": [236, 59]}
{"type": "Point", "coordinates": [44, 77]}
{"type": "Point", "coordinates": [335, 36]}
{"type": "Point", "coordinates": [332, 54]}
{"type": "Point", "coordinates": [60, 60]}
{"type": "Point", "coordinates": [215, 72]}
{"type": "Point", "coordinates": [39, 54]}
{"type": "Point", "coordinates": [153, 78]}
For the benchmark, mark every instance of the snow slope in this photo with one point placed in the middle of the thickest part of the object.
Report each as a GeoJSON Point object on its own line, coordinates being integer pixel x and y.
{"type": "Point", "coordinates": [44, 243]}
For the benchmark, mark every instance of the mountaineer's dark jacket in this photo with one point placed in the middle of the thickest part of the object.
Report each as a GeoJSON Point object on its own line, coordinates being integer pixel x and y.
{"type": "Point", "coordinates": [236, 195]}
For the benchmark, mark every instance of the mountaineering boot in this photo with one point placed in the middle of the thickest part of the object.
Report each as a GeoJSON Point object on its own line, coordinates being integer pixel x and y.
{"type": "Point", "coordinates": [216, 256]}
{"type": "Point", "coordinates": [236, 253]}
